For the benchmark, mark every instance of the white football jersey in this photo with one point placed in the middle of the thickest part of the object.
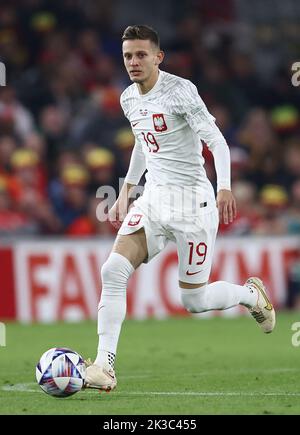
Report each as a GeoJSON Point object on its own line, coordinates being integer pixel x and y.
{"type": "Point", "coordinates": [168, 123]}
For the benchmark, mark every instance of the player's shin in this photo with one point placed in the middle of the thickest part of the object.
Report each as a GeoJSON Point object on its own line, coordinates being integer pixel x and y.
{"type": "Point", "coordinates": [112, 307]}
{"type": "Point", "coordinates": [219, 295]}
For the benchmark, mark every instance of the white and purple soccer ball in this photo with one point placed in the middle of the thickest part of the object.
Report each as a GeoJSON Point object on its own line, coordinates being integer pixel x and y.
{"type": "Point", "coordinates": [60, 372]}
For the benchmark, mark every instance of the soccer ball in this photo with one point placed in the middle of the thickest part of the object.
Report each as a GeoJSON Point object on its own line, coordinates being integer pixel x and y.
{"type": "Point", "coordinates": [60, 372]}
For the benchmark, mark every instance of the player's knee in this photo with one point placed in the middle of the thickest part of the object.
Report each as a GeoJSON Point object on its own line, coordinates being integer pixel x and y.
{"type": "Point", "coordinates": [194, 300]}
{"type": "Point", "coordinates": [108, 273]}
{"type": "Point", "coordinates": [116, 271]}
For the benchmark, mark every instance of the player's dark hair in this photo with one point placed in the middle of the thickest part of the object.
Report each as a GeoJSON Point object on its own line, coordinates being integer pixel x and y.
{"type": "Point", "coordinates": [141, 32]}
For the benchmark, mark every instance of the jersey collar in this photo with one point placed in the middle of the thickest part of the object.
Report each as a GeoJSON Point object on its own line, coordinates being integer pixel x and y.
{"type": "Point", "coordinates": [158, 81]}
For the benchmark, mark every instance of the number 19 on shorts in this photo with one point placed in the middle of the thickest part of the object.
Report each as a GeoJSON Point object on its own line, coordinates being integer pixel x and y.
{"type": "Point", "coordinates": [197, 252]}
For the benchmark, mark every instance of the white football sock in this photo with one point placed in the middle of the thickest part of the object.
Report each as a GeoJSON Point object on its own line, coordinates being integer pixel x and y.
{"type": "Point", "coordinates": [219, 295]}
{"type": "Point", "coordinates": [104, 357]}
{"type": "Point", "coordinates": [112, 306]}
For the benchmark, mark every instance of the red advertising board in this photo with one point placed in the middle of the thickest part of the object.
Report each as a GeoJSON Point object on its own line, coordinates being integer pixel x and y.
{"type": "Point", "coordinates": [45, 281]}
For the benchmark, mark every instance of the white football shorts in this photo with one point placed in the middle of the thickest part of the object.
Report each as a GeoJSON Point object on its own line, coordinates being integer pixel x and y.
{"type": "Point", "coordinates": [192, 225]}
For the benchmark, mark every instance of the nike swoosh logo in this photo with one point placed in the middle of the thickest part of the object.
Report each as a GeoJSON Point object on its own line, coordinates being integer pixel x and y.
{"type": "Point", "coordinates": [192, 273]}
{"type": "Point", "coordinates": [269, 306]}
{"type": "Point", "coordinates": [136, 123]}
{"type": "Point", "coordinates": [112, 377]}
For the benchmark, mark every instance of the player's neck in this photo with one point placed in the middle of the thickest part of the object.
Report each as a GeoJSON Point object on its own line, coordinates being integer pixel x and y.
{"type": "Point", "coordinates": [147, 85]}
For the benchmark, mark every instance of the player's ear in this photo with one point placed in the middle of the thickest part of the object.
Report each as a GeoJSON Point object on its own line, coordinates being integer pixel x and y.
{"type": "Point", "coordinates": [159, 57]}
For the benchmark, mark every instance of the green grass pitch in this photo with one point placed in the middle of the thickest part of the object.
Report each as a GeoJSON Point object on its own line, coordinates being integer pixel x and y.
{"type": "Point", "coordinates": [179, 366]}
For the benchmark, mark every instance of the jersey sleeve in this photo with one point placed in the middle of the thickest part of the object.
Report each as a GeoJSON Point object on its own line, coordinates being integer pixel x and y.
{"type": "Point", "coordinates": [124, 105]}
{"type": "Point", "coordinates": [189, 105]}
{"type": "Point", "coordinates": [137, 165]}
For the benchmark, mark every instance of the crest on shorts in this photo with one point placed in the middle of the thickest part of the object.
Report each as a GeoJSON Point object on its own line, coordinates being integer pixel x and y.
{"type": "Point", "coordinates": [159, 122]}
{"type": "Point", "coordinates": [134, 220]}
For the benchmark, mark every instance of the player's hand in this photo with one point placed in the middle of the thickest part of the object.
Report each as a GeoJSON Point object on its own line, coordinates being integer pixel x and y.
{"type": "Point", "coordinates": [226, 205]}
{"type": "Point", "coordinates": [117, 213]}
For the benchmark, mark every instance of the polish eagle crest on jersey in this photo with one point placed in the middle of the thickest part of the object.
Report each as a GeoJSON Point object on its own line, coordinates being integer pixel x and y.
{"type": "Point", "coordinates": [159, 122]}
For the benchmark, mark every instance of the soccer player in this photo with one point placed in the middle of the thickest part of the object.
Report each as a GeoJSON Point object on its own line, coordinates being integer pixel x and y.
{"type": "Point", "coordinates": [169, 120]}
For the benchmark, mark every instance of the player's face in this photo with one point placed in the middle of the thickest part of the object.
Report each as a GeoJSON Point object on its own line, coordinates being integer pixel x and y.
{"type": "Point", "coordinates": [141, 59]}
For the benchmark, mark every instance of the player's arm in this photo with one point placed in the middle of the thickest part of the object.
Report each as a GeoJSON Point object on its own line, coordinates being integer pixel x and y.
{"type": "Point", "coordinates": [216, 142]}
{"type": "Point", "coordinates": [203, 123]}
{"type": "Point", "coordinates": [137, 167]}
{"type": "Point", "coordinates": [135, 171]}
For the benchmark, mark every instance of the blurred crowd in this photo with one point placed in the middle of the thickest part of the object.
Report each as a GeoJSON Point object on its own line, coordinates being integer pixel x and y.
{"type": "Point", "coordinates": [63, 133]}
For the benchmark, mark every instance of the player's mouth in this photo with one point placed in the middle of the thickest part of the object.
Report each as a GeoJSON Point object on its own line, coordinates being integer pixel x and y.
{"type": "Point", "coordinates": [135, 72]}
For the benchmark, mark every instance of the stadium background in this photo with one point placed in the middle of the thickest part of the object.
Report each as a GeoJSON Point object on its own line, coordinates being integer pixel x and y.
{"type": "Point", "coordinates": [63, 134]}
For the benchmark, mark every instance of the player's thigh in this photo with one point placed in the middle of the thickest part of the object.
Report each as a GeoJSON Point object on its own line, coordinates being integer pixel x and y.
{"type": "Point", "coordinates": [132, 246]}
{"type": "Point", "coordinates": [148, 239]}
{"type": "Point", "coordinates": [195, 247]}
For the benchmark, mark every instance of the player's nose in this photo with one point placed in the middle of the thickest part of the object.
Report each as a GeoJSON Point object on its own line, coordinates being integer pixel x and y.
{"type": "Point", "coordinates": [133, 61]}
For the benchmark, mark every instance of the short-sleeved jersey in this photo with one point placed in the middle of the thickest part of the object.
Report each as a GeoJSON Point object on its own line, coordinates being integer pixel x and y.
{"type": "Point", "coordinates": [168, 123]}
